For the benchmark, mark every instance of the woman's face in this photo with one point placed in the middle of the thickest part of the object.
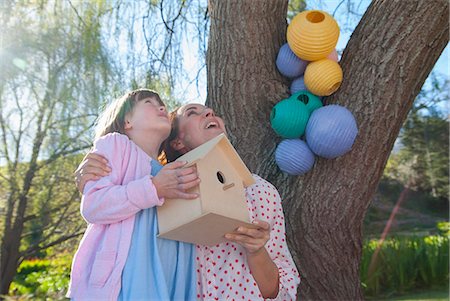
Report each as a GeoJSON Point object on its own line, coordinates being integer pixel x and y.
{"type": "Point", "coordinates": [197, 124]}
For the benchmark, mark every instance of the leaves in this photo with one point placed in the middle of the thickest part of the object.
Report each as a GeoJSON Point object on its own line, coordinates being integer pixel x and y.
{"type": "Point", "coordinates": [422, 161]}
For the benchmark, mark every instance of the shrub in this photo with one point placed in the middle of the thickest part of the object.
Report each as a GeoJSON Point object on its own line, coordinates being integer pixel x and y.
{"type": "Point", "coordinates": [43, 278]}
{"type": "Point", "coordinates": [404, 264]}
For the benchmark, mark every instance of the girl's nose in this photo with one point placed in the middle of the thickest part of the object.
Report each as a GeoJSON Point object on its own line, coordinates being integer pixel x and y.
{"type": "Point", "coordinates": [163, 109]}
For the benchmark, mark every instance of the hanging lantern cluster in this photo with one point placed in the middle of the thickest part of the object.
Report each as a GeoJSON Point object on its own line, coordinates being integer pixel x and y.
{"type": "Point", "coordinates": [310, 59]}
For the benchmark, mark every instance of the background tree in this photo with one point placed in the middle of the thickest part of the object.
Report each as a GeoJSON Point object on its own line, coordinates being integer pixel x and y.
{"type": "Point", "coordinates": [385, 63]}
{"type": "Point", "coordinates": [54, 72]}
{"type": "Point", "coordinates": [61, 62]}
{"type": "Point", "coordinates": [423, 157]}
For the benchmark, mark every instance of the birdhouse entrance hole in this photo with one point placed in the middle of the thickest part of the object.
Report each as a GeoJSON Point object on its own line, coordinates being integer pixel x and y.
{"type": "Point", "coordinates": [220, 177]}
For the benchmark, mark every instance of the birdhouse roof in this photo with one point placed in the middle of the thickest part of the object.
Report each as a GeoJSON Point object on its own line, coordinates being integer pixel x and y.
{"type": "Point", "coordinates": [221, 141]}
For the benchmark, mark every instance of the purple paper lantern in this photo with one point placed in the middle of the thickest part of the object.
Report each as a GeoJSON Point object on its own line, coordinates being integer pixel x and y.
{"type": "Point", "coordinates": [331, 131]}
{"type": "Point", "coordinates": [294, 157]}
{"type": "Point", "coordinates": [297, 85]}
{"type": "Point", "coordinates": [289, 64]}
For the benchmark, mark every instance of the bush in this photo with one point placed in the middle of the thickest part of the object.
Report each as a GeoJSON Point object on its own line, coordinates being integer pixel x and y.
{"type": "Point", "coordinates": [44, 279]}
{"type": "Point", "coordinates": [404, 264]}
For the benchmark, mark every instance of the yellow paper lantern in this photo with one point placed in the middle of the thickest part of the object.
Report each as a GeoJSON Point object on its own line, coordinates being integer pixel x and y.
{"type": "Point", "coordinates": [312, 35]}
{"type": "Point", "coordinates": [323, 77]}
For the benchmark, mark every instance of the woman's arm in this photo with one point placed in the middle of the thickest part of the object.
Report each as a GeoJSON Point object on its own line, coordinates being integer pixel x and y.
{"type": "Point", "coordinates": [108, 200]}
{"type": "Point", "coordinates": [92, 168]}
{"type": "Point", "coordinates": [266, 205]}
{"type": "Point", "coordinates": [264, 270]}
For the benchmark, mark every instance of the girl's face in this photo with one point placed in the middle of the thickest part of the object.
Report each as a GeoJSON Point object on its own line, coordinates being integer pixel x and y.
{"type": "Point", "coordinates": [148, 115]}
{"type": "Point", "coordinates": [197, 124]}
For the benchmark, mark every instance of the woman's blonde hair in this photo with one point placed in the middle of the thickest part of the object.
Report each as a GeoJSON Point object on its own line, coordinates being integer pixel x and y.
{"type": "Point", "coordinates": [113, 117]}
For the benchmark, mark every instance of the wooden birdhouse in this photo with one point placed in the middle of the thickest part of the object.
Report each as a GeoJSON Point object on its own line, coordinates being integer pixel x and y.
{"type": "Point", "coordinates": [221, 206]}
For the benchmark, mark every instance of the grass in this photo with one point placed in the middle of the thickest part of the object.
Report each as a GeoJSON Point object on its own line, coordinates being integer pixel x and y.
{"type": "Point", "coordinates": [417, 217]}
{"type": "Point", "coordinates": [439, 295]}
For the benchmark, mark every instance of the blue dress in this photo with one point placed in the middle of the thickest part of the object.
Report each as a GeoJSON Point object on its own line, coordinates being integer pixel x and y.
{"type": "Point", "coordinates": [157, 269]}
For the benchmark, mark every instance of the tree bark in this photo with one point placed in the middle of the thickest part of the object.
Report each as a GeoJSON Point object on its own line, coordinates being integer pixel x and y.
{"type": "Point", "coordinates": [385, 63]}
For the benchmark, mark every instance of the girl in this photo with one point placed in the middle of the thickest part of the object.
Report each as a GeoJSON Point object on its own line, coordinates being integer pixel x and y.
{"type": "Point", "coordinates": [119, 256]}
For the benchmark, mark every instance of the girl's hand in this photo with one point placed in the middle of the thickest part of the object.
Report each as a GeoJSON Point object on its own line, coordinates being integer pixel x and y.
{"type": "Point", "coordinates": [173, 181]}
{"type": "Point", "coordinates": [253, 240]}
{"type": "Point", "coordinates": [93, 167]}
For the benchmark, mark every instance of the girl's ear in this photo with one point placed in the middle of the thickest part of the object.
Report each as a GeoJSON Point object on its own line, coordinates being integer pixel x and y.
{"type": "Point", "coordinates": [128, 124]}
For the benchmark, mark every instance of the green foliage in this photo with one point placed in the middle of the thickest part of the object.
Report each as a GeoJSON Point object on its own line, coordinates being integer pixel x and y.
{"type": "Point", "coordinates": [295, 7]}
{"type": "Point", "coordinates": [60, 61]}
{"type": "Point", "coordinates": [55, 72]}
{"type": "Point", "coordinates": [425, 140]}
{"type": "Point", "coordinates": [404, 264]}
{"type": "Point", "coordinates": [422, 163]}
{"type": "Point", "coordinates": [44, 279]}
{"type": "Point", "coordinates": [444, 228]}
{"type": "Point", "coordinates": [53, 206]}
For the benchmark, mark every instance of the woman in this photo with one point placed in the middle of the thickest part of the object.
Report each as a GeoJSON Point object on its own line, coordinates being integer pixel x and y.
{"type": "Point", "coordinates": [255, 263]}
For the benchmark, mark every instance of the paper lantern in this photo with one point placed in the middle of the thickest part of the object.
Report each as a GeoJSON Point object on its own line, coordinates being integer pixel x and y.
{"type": "Point", "coordinates": [311, 101]}
{"type": "Point", "coordinates": [294, 157]}
{"type": "Point", "coordinates": [331, 131]}
{"type": "Point", "coordinates": [289, 118]}
{"type": "Point", "coordinates": [323, 77]}
{"type": "Point", "coordinates": [288, 63]}
{"type": "Point", "coordinates": [312, 35]}
{"type": "Point", "coordinates": [298, 84]}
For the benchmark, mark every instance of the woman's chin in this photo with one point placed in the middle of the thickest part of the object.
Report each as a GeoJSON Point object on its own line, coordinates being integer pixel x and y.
{"type": "Point", "coordinates": [212, 133]}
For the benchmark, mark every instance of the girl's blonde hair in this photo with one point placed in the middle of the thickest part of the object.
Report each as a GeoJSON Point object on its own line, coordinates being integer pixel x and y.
{"type": "Point", "coordinates": [113, 117]}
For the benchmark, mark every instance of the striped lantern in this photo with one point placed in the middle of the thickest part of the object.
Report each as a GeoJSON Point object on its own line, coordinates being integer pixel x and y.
{"type": "Point", "coordinates": [311, 101]}
{"type": "Point", "coordinates": [323, 77]}
{"type": "Point", "coordinates": [312, 35]}
{"type": "Point", "coordinates": [289, 64]}
{"type": "Point", "coordinates": [331, 131]}
{"type": "Point", "coordinates": [298, 84]}
{"type": "Point", "coordinates": [294, 157]}
{"type": "Point", "coordinates": [289, 118]}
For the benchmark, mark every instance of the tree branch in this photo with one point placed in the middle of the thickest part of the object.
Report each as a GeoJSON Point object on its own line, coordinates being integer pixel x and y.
{"type": "Point", "coordinates": [36, 248]}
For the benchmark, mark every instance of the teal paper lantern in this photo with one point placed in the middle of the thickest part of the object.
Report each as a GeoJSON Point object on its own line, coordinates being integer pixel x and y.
{"type": "Point", "coordinates": [289, 118]}
{"type": "Point", "coordinates": [311, 101]}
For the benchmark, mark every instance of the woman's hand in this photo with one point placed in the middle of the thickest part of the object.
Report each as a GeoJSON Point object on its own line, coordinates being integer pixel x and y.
{"type": "Point", "coordinates": [262, 267]}
{"type": "Point", "coordinates": [174, 180]}
{"type": "Point", "coordinates": [93, 167]}
{"type": "Point", "coordinates": [253, 240]}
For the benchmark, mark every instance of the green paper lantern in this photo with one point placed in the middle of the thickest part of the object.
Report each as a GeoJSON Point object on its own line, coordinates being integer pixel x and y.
{"type": "Point", "coordinates": [289, 118]}
{"type": "Point", "coordinates": [311, 101]}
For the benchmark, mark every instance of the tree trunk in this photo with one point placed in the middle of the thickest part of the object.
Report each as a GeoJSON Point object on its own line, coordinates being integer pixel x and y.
{"type": "Point", "coordinates": [386, 62]}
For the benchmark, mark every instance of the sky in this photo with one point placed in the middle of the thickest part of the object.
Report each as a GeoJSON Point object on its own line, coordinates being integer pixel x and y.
{"type": "Point", "coordinates": [196, 91]}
